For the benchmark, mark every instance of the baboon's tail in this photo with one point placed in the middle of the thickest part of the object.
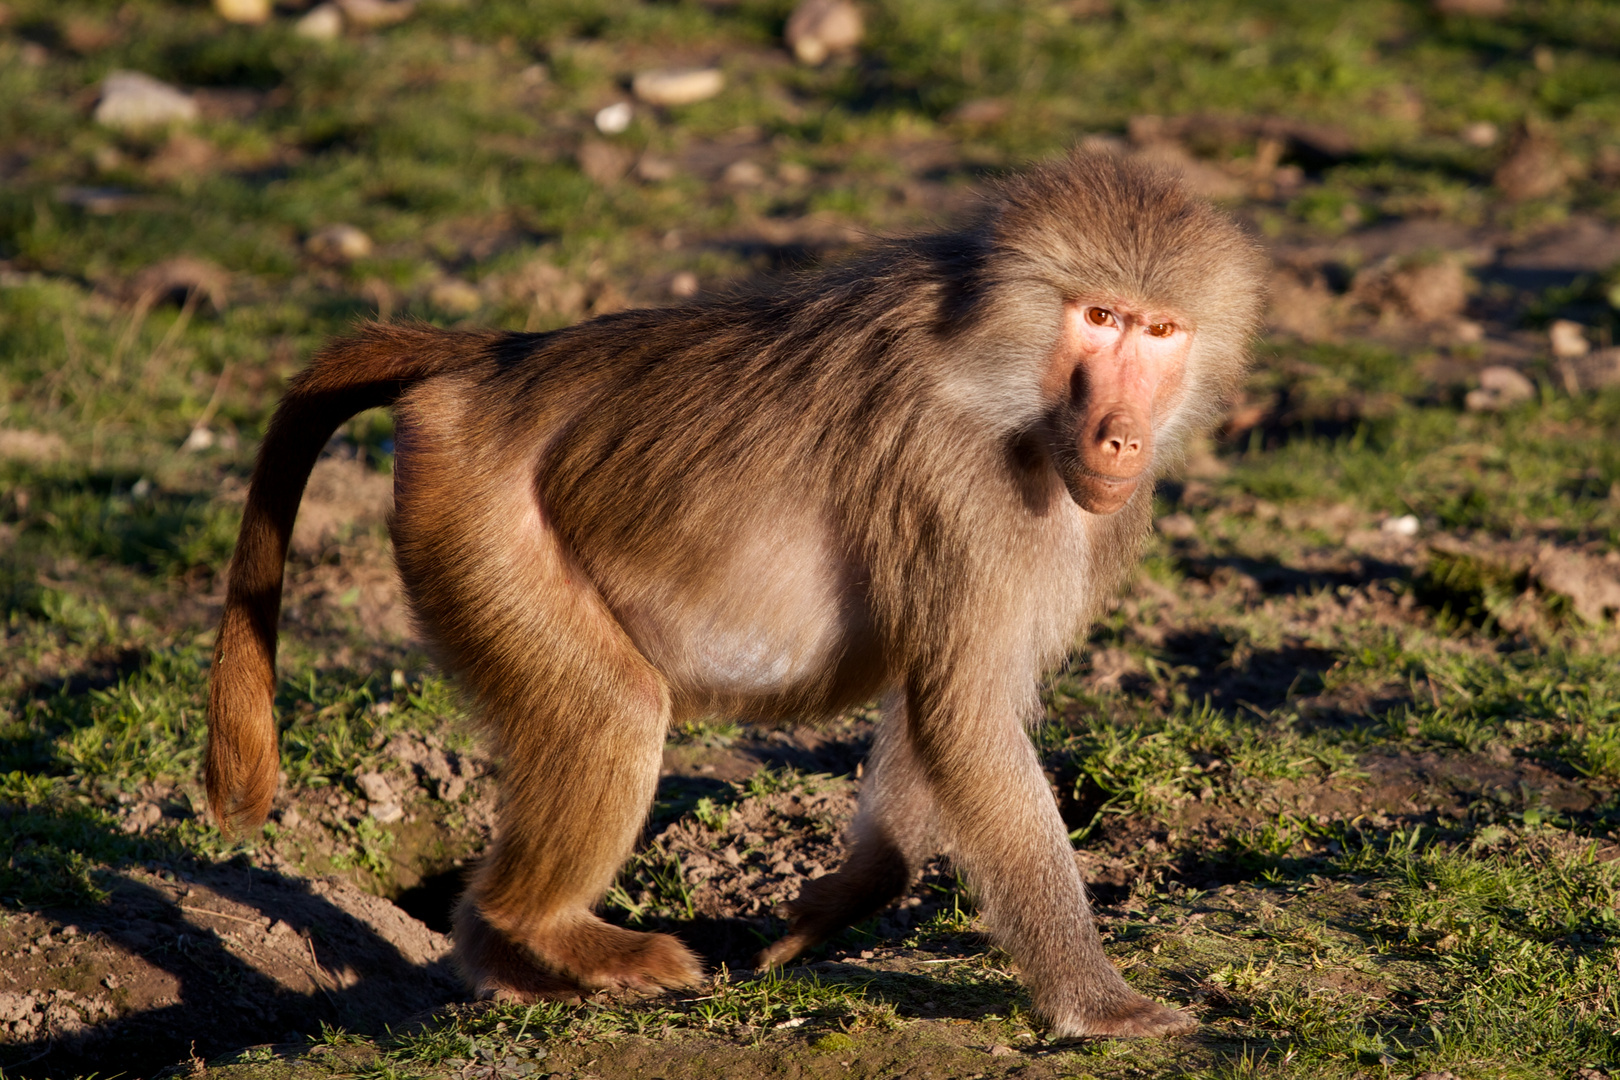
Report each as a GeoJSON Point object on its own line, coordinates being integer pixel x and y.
{"type": "Point", "coordinates": [366, 371]}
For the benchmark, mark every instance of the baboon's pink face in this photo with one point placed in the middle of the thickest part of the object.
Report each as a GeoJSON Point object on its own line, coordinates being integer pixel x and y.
{"type": "Point", "coordinates": [1116, 373]}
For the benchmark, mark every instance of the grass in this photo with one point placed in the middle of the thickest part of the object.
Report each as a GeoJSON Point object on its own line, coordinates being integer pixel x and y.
{"type": "Point", "coordinates": [1356, 804]}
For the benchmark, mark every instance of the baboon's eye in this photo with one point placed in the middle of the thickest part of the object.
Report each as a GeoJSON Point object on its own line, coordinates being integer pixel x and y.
{"type": "Point", "coordinates": [1100, 317]}
{"type": "Point", "coordinates": [1161, 329]}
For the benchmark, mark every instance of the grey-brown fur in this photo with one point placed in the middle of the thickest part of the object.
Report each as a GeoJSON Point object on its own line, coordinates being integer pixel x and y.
{"type": "Point", "coordinates": [779, 503]}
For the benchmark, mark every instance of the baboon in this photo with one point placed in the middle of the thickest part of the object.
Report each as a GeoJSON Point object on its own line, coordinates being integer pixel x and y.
{"type": "Point", "coordinates": [914, 475]}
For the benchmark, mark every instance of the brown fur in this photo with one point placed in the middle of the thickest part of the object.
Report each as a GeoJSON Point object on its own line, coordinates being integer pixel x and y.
{"type": "Point", "coordinates": [780, 502]}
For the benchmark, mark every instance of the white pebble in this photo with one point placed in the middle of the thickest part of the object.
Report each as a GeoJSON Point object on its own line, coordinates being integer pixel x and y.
{"type": "Point", "coordinates": [130, 99]}
{"type": "Point", "coordinates": [321, 23]}
{"type": "Point", "coordinates": [615, 118]}
{"type": "Point", "coordinates": [679, 86]}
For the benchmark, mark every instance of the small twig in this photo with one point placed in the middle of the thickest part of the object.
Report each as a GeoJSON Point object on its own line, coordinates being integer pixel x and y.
{"type": "Point", "coordinates": [321, 975]}
{"type": "Point", "coordinates": [213, 404]}
{"type": "Point", "coordinates": [178, 327]}
{"type": "Point", "coordinates": [137, 318]}
{"type": "Point", "coordinates": [220, 914]}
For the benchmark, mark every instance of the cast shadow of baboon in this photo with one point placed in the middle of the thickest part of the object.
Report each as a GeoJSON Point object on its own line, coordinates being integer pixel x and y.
{"type": "Point", "coordinates": [324, 963]}
{"type": "Point", "coordinates": [321, 967]}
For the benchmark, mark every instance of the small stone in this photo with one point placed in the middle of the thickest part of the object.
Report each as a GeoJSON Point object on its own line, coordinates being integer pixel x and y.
{"type": "Point", "coordinates": [683, 285]}
{"type": "Point", "coordinates": [604, 162]}
{"type": "Point", "coordinates": [324, 22]}
{"type": "Point", "coordinates": [131, 100]}
{"type": "Point", "coordinates": [1591, 584]}
{"type": "Point", "coordinates": [372, 14]}
{"type": "Point", "coordinates": [655, 170]}
{"type": "Point", "coordinates": [15, 1007]}
{"type": "Point", "coordinates": [141, 818]}
{"type": "Point", "coordinates": [1001, 1050]}
{"type": "Point", "coordinates": [243, 11]}
{"type": "Point", "coordinates": [793, 172]}
{"type": "Point", "coordinates": [291, 818]}
{"type": "Point", "coordinates": [374, 786]}
{"type": "Point", "coordinates": [455, 297]}
{"type": "Point", "coordinates": [614, 119]}
{"type": "Point", "coordinates": [338, 244]}
{"type": "Point", "coordinates": [1481, 134]}
{"type": "Point", "coordinates": [386, 813]}
{"type": "Point", "coordinates": [743, 174]}
{"type": "Point", "coordinates": [1405, 525]}
{"type": "Point", "coordinates": [1178, 526]}
{"type": "Point", "coordinates": [818, 29]}
{"type": "Point", "coordinates": [1499, 388]}
{"type": "Point", "coordinates": [680, 86]}
{"type": "Point", "coordinates": [1568, 339]}
{"type": "Point", "coordinates": [1533, 168]}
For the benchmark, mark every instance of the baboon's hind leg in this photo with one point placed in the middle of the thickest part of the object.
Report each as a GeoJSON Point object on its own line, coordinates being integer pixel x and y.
{"type": "Point", "coordinates": [890, 838]}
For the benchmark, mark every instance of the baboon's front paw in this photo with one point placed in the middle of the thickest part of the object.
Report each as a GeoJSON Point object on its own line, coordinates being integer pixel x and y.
{"type": "Point", "coordinates": [497, 970]}
{"type": "Point", "coordinates": [1138, 1018]}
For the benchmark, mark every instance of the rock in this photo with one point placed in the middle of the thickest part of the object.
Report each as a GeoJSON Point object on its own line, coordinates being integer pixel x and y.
{"type": "Point", "coordinates": [1481, 133]}
{"type": "Point", "coordinates": [1429, 292]}
{"type": "Point", "coordinates": [743, 174]}
{"type": "Point", "coordinates": [374, 786]}
{"type": "Point", "coordinates": [655, 170]}
{"type": "Point", "coordinates": [614, 119]}
{"type": "Point", "coordinates": [1592, 584]}
{"type": "Point", "coordinates": [371, 14]}
{"type": "Point", "coordinates": [679, 86]}
{"type": "Point", "coordinates": [1178, 526]}
{"type": "Point", "coordinates": [455, 297]}
{"type": "Point", "coordinates": [819, 29]}
{"type": "Point", "coordinates": [141, 817]}
{"type": "Point", "coordinates": [683, 285]}
{"type": "Point", "coordinates": [1405, 525]}
{"type": "Point", "coordinates": [604, 162]}
{"type": "Point", "coordinates": [1499, 388]}
{"type": "Point", "coordinates": [14, 1007]}
{"type": "Point", "coordinates": [184, 157]}
{"type": "Point", "coordinates": [1533, 169]}
{"type": "Point", "coordinates": [386, 813]}
{"type": "Point", "coordinates": [324, 22]}
{"type": "Point", "coordinates": [131, 101]}
{"type": "Point", "coordinates": [1568, 339]}
{"type": "Point", "coordinates": [338, 244]}
{"type": "Point", "coordinates": [243, 11]}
